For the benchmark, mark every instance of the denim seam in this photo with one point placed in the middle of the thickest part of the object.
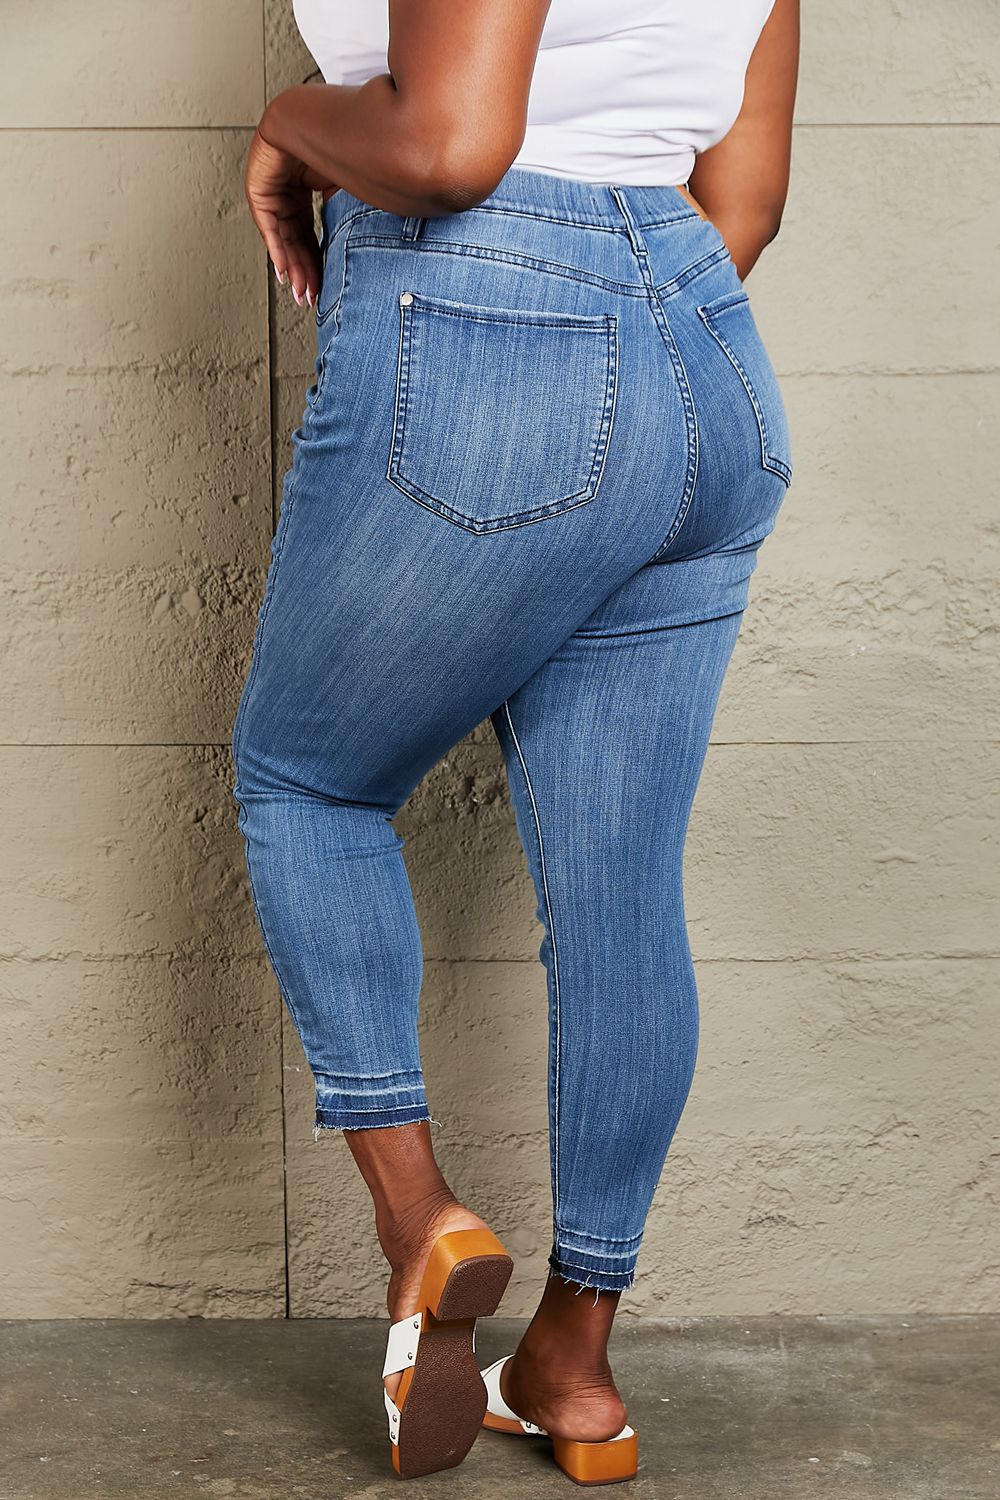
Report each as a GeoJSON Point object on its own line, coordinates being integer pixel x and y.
{"type": "Point", "coordinates": [626, 1274]}
{"type": "Point", "coordinates": [574, 223]}
{"type": "Point", "coordinates": [343, 228]}
{"type": "Point", "coordinates": [708, 315]}
{"type": "Point", "coordinates": [524, 262]}
{"type": "Point", "coordinates": [507, 523]}
{"type": "Point", "coordinates": [602, 1239]}
{"type": "Point", "coordinates": [274, 964]}
{"type": "Point", "coordinates": [691, 420]}
{"type": "Point", "coordinates": [374, 1109]}
{"type": "Point", "coordinates": [333, 312]}
{"type": "Point", "coordinates": [596, 1254]}
{"type": "Point", "coordinates": [384, 1119]}
{"type": "Point", "coordinates": [402, 391]}
{"type": "Point", "coordinates": [279, 543]}
{"type": "Point", "coordinates": [555, 951]}
{"type": "Point", "coordinates": [572, 323]}
{"type": "Point", "coordinates": [666, 223]}
{"type": "Point", "coordinates": [692, 272]}
{"type": "Point", "coordinates": [680, 375]}
{"type": "Point", "coordinates": [337, 307]}
{"type": "Point", "coordinates": [281, 533]}
{"type": "Point", "coordinates": [527, 213]}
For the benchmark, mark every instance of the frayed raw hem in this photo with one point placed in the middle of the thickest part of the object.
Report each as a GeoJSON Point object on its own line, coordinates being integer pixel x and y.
{"type": "Point", "coordinates": [369, 1102]}
{"type": "Point", "coordinates": [367, 1120]}
{"type": "Point", "coordinates": [586, 1276]}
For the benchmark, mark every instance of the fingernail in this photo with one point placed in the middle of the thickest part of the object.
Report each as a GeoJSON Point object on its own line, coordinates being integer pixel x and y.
{"type": "Point", "coordinates": [309, 296]}
{"type": "Point", "coordinates": [280, 275]}
{"type": "Point", "coordinates": [297, 297]}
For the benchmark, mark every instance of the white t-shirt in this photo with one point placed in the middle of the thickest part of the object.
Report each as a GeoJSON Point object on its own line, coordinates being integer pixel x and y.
{"type": "Point", "coordinates": [624, 91]}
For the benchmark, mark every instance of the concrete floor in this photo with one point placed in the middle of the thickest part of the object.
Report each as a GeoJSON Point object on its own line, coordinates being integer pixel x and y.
{"type": "Point", "coordinates": [726, 1409]}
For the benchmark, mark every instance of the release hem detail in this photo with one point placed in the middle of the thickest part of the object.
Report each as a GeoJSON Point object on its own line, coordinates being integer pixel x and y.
{"type": "Point", "coordinates": [371, 1119]}
{"type": "Point", "coordinates": [600, 1279]}
{"type": "Point", "coordinates": [369, 1102]}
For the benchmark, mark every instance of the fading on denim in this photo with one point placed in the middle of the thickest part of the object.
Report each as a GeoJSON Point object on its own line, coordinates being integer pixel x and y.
{"type": "Point", "coordinates": [543, 445]}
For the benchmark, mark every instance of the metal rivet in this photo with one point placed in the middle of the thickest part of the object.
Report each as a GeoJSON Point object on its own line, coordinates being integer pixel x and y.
{"type": "Point", "coordinates": [405, 299]}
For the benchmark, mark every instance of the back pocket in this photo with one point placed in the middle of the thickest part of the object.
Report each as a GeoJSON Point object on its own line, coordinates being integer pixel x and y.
{"type": "Point", "coordinates": [501, 417]}
{"type": "Point", "coordinates": [731, 323]}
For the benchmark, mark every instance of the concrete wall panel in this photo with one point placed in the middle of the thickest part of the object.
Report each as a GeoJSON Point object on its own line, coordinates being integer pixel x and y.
{"type": "Point", "coordinates": [838, 1153]}
{"type": "Point", "coordinates": [164, 62]}
{"type": "Point", "coordinates": [883, 61]}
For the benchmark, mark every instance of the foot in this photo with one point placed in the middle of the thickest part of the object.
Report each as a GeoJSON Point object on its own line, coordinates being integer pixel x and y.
{"type": "Point", "coordinates": [559, 1377]}
{"type": "Point", "coordinates": [408, 1249]}
{"type": "Point", "coordinates": [572, 1403]}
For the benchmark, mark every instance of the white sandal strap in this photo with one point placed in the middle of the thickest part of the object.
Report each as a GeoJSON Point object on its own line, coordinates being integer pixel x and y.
{"type": "Point", "coordinates": [392, 1411]}
{"type": "Point", "coordinates": [400, 1354]}
{"type": "Point", "coordinates": [401, 1347]}
{"type": "Point", "coordinates": [497, 1406]}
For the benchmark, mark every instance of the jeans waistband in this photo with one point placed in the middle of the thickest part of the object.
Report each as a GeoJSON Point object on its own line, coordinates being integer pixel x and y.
{"type": "Point", "coordinates": [571, 200]}
{"type": "Point", "coordinates": [545, 197]}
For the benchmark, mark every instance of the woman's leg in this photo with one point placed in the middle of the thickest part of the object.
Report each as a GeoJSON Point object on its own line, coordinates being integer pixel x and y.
{"type": "Point", "coordinates": [385, 636]}
{"type": "Point", "coordinates": [604, 747]}
{"type": "Point", "coordinates": [387, 633]}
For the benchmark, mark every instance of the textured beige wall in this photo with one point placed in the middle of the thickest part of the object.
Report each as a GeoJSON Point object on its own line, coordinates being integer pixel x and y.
{"type": "Point", "coordinates": [840, 1149]}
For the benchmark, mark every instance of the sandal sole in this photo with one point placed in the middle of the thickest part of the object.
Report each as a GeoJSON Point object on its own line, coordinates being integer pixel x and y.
{"type": "Point", "coordinates": [441, 1397]}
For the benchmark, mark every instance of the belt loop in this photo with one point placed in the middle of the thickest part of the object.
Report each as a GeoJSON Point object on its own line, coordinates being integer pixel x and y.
{"type": "Point", "coordinates": [412, 226]}
{"type": "Point", "coordinates": [632, 229]}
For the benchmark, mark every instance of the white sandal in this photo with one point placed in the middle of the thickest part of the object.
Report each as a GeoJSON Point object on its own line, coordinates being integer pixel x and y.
{"type": "Point", "coordinates": [604, 1462]}
{"type": "Point", "coordinates": [440, 1400]}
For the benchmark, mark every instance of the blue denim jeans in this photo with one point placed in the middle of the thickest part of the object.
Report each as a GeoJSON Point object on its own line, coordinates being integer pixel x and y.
{"type": "Point", "coordinates": [542, 448]}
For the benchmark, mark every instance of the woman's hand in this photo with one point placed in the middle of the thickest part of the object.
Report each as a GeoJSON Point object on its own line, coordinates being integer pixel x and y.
{"type": "Point", "coordinates": [280, 189]}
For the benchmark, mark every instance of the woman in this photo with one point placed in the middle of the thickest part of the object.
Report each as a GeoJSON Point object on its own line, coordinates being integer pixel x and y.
{"type": "Point", "coordinates": [542, 448]}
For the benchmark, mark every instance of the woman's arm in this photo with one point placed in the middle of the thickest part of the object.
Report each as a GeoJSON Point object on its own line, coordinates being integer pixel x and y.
{"type": "Point", "coordinates": [432, 136]}
{"type": "Point", "coordinates": [436, 133]}
{"type": "Point", "coordinates": [741, 183]}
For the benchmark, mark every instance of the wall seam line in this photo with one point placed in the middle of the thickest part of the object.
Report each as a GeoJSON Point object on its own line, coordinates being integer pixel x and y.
{"type": "Point", "coordinates": [272, 402]}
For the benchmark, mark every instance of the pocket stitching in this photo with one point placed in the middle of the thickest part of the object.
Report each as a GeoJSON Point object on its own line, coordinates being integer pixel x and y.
{"type": "Point", "coordinates": [603, 323]}
{"type": "Point", "coordinates": [470, 312]}
{"type": "Point", "coordinates": [708, 314]}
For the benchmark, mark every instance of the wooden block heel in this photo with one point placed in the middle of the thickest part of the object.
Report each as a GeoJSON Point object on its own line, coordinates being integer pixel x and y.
{"type": "Point", "coordinates": [609, 1462]}
{"type": "Point", "coordinates": [439, 1405]}
{"type": "Point", "coordinates": [466, 1275]}
{"type": "Point", "coordinates": [598, 1463]}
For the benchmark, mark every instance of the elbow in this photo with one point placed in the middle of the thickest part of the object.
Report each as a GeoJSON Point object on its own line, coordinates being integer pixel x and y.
{"type": "Point", "coordinates": [454, 175]}
{"type": "Point", "coordinates": [456, 192]}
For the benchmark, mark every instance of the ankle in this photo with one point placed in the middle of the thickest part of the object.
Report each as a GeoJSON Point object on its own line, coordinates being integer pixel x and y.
{"type": "Point", "coordinates": [571, 1329]}
{"type": "Point", "coordinates": [406, 1184]}
{"type": "Point", "coordinates": [404, 1227]}
{"type": "Point", "coordinates": [544, 1356]}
